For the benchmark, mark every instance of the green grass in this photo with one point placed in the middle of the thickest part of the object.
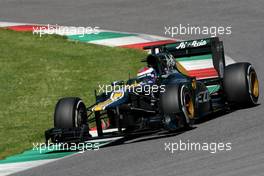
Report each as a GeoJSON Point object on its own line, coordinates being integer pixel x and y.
{"type": "Point", "coordinates": [36, 71]}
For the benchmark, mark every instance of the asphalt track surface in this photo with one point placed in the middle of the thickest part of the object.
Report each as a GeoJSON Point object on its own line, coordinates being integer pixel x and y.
{"type": "Point", "coordinates": [243, 128]}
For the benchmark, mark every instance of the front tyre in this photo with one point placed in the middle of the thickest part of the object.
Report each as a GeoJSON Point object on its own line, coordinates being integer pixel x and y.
{"type": "Point", "coordinates": [241, 84]}
{"type": "Point", "coordinates": [70, 112]}
{"type": "Point", "coordinates": [178, 108]}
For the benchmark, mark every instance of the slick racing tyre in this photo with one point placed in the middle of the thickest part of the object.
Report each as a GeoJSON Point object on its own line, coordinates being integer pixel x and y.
{"type": "Point", "coordinates": [187, 103]}
{"type": "Point", "coordinates": [70, 112]}
{"type": "Point", "coordinates": [178, 107]}
{"type": "Point", "coordinates": [241, 84]}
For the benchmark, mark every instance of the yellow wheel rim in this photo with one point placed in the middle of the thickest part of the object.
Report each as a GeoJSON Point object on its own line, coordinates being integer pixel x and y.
{"type": "Point", "coordinates": [254, 84]}
{"type": "Point", "coordinates": [189, 106]}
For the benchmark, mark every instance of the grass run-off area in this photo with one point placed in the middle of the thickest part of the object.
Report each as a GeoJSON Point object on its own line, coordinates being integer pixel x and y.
{"type": "Point", "coordinates": [36, 71]}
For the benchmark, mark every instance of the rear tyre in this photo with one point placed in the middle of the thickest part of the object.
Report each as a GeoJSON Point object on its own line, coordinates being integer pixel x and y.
{"type": "Point", "coordinates": [241, 84]}
{"type": "Point", "coordinates": [70, 112]}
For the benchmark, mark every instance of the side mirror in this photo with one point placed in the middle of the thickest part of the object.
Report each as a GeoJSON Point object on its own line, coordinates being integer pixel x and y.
{"type": "Point", "coordinates": [164, 76]}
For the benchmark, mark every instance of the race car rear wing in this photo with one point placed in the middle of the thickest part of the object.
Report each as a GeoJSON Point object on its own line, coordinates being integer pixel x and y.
{"type": "Point", "coordinates": [212, 46]}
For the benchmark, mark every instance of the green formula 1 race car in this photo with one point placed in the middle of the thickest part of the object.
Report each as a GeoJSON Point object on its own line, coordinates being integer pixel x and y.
{"type": "Point", "coordinates": [181, 82]}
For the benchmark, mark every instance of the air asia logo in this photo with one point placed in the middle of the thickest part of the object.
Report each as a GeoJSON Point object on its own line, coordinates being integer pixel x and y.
{"type": "Point", "coordinates": [194, 43]}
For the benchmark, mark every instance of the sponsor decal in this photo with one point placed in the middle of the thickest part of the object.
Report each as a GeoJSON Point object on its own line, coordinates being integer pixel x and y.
{"type": "Point", "coordinates": [203, 97]}
{"type": "Point", "coordinates": [195, 43]}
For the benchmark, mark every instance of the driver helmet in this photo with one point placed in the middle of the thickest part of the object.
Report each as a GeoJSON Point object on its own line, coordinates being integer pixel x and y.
{"type": "Point", "coordinates": [147, 75]}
